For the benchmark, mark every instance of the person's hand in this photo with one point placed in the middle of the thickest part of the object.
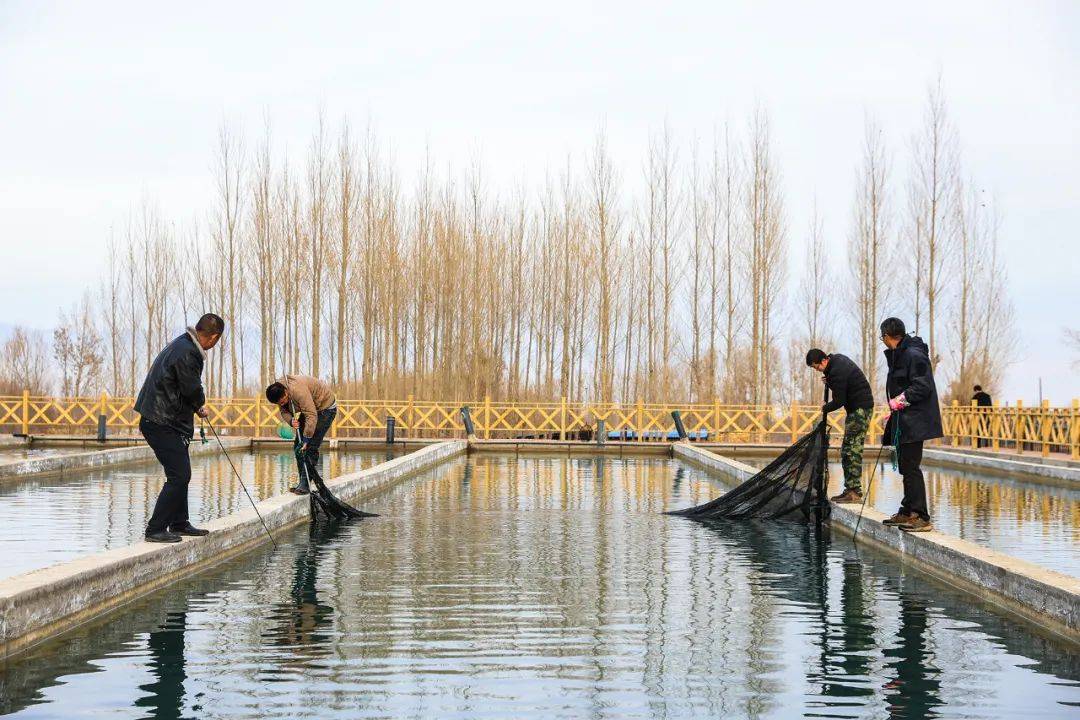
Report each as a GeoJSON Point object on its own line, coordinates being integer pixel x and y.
{"type": "Point", "coordinates": [303, 448]}
{"type": "Point", "coordinates": [202, 412]}
{"type": "Point", "coordinates": [898, 403]}
{"type": "Point", "coordinates": [296, 423]}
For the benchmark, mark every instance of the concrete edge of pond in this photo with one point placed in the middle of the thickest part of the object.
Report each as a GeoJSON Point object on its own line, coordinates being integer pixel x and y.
{"type": "Point", "coordinates": [1044, 597]}
{"type": "Point", "coordinates": [1011, 465]}
{"type": "Point", "coordinates": [566, 447]}
{"type": "Point", "coordinates": [92, 459]}
{"type": "Point", "coordinates": [41, 604]}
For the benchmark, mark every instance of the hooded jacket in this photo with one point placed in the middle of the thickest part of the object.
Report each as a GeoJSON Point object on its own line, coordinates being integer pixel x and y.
{"type": "Point", "coordinates": [910, 374]}
{"type": "Point", "coordinates": [847, 384]}
{"type": "Point", "coordinates": [173, 390]}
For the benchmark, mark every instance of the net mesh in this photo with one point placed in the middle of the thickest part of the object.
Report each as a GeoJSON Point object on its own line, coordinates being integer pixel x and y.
{"type": "Point", "coordinates": [791, 486]}
{"type": "Point", "coordinates": [324, 504]}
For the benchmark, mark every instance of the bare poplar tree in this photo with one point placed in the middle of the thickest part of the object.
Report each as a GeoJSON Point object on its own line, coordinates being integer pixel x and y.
{"type": "Point", "coordinates": [933, 176]}
{"type": "Point", "coordinates": [765, 255]}
{"type": "Point", "coordinates": [869, 249]}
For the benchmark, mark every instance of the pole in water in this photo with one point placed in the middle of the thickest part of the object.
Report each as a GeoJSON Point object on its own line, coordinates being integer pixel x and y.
{"type": "Point", "coordinates": [241, 481]}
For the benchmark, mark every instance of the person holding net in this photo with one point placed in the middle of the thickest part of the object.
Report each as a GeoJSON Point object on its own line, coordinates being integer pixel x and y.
{"type": "Point", "coordinates": [850, 390]}
{"type": "Point", "coordinates": [309, 406]}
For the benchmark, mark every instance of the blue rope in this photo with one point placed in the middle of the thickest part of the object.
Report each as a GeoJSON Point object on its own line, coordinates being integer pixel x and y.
{"type": "Point", "coordinates": [896, 445]}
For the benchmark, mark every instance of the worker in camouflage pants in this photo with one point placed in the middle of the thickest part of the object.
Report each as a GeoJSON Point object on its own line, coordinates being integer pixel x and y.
{"type": "Point", "coordinates": [855, 428]}
{"type": "Point", "coordinates": [850, 390]}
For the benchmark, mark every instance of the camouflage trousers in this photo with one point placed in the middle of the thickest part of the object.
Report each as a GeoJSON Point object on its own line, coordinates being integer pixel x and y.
{"type": "Point", "coordinates": [851, 449]}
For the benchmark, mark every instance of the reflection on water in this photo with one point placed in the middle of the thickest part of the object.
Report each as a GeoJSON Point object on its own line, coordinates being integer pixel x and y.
{"type": "Point", "coordinates": [1034, 521]}
{"type": "Point", "coordinates": [48, 520]}
{"type": "Point", "coordinates": [552, 587]}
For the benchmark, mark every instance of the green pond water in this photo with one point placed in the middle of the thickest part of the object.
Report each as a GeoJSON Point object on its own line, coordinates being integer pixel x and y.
{"type": "Point", "coordinates": [551, 587]}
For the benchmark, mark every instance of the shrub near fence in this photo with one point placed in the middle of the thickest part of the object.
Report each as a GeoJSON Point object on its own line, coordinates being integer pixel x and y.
{"type": "Point", "coordinates": [1042, 429]}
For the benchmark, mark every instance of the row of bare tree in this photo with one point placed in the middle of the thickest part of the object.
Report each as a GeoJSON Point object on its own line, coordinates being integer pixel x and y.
{"type": "Point", "coordinates": [671, 286]}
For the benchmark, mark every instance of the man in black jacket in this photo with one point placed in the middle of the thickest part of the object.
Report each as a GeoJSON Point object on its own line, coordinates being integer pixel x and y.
{"type": "Point", "coordinates": [850, 390]}
{"type": "Point", "coordinates": [170, 396]}
{"type": "Point", "coordinates": [982, 399]}
{"type": "Point", "coordinates": [915, 418]}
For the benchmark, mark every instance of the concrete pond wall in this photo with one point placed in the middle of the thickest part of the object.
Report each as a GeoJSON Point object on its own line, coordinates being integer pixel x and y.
{"type": "Point", "coordinates": [43, 603]}
{"type": "Point", "coordinates": [58, 464]}
{"type": "Point", "coordinates": [1044, 597]}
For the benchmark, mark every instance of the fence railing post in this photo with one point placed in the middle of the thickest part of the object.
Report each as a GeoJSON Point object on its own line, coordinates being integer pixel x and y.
{"type": "Point", "coordinates": [562, 418]}
{"type": "Point", "coordinates": [639, 420]}
{"type": "Point", "coordinates": [26, 412]}
{"type": "Point", "coordinates": [1019, 431]}
{"type": "Point", "coordinates": [1074, 430]}
{"type": "Point", "coordinates": [976, 425]}
{"type": "Point", "coordinates": [716, 420]}
{"type": "Point", "coordinates": [995, 427]}
{"type": "Point", "coordinates": [408, 415]}
{"type": "Point", "coordinates": [487, 416]}
{"type": "Point", "coordinates": [1045, 426]}
{"type": "Point", "coordinates": [794, 424]}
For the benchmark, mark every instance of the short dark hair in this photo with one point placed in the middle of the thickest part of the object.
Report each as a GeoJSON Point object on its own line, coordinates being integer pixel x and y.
{"type": "Point", "coordinates": [978, 388]}
{"type": "Point", "coordinates": [210, 324]}
{"type": "Point", "coordinates": [893, 327]}
{"type": "Point", "coordinates": [814, 356]}
{"type": "Point", "coordinates": [274, 392]}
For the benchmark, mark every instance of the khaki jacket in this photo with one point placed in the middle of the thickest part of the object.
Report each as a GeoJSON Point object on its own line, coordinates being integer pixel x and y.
{"type": "Point", "coordinates": [308, 395]}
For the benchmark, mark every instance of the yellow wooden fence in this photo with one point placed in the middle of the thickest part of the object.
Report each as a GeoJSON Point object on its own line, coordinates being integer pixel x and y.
{"type": "Point", "coordinates": [1042, 429]}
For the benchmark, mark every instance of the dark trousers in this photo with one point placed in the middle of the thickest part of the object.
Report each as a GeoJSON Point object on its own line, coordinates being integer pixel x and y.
{"type": "Point", "coordinates": [171, 450]}
{"type": "Point", "coordinates": [910, 458]}
{"type": "Point", "coordinates": [323, 421]}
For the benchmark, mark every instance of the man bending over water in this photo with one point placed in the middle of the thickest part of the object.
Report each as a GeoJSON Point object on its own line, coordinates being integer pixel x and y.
{"type": "Point", "coordinates": [308, 404]}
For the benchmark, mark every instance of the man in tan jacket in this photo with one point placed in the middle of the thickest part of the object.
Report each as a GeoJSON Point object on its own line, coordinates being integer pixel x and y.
{"type": "Point", "coordinates": [310, 401]}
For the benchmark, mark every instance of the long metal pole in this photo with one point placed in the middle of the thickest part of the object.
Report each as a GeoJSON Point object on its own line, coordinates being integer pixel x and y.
{"type": "Point", "coordinates": [241, 481]}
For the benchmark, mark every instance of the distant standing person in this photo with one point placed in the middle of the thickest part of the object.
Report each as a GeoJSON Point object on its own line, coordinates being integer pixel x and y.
{"type": "Point", "coordinates": [171, 396]}
{"type": "Point", "coordinates": [850, 390]}
{"type": "Point", "coordinates": [982, 399]}
{"type": "Point", "coordinates": [915, 418]}
{"type": "Point", "coordinates": [309, 398]}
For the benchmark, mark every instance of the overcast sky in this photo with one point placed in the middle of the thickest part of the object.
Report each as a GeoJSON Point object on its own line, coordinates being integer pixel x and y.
{"type": "Point", "coordinates": [104, 103]}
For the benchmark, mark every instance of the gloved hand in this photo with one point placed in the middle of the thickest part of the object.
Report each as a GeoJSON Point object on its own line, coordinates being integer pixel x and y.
{"type": "Point", "coordinates": [898, 403]}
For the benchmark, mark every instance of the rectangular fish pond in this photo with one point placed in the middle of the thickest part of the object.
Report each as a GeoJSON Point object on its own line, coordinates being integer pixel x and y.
{"type": "Point", "coordinates": [54, 518]}
{"type": "Point", "coordinates": [503, 586]}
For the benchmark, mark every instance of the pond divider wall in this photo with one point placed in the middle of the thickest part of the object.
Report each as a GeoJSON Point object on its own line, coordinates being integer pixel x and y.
{"type": "Point", "coordinates": [1013, 464]}
{"type": "Point", "coordinates": [55, 464]}
{"type": "Point", "coordinates": [40, 604]}
{"type": "Point", "coordinates": [1047, 598]}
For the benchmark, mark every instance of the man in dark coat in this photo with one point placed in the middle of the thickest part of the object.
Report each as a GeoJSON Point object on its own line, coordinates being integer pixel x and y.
{"type": "Point", "coordinates": [850, 390]}
{"type": "Point", "coordinates": [982, 399]}
{"type": "Point", "coordinates": [171, 396]}
{"type": "Point", "coordinates": [915, 418]}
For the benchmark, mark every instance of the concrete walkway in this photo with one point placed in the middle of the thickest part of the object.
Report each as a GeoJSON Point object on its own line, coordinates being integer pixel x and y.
{"type": "Point", "coordinates": [50, 464]}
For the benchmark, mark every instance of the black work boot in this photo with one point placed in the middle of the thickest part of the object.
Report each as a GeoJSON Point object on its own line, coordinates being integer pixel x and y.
{"type": "Point", "coordinates": [161, 536]}
{"type": "Point", "coordinates": [188, 529]}
{"type": "Point", "coordinates": [301, 489]}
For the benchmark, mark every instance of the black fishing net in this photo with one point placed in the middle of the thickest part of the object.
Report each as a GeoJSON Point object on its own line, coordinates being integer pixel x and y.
{"type": "Point", "coordinates": [324, 504]}
{"type": "Point", "coordinates": [791, 486]}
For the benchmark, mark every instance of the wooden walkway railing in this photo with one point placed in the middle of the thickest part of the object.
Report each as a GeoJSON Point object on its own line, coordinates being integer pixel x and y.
{"type": "Point", "coordinates": [1042, 429]}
